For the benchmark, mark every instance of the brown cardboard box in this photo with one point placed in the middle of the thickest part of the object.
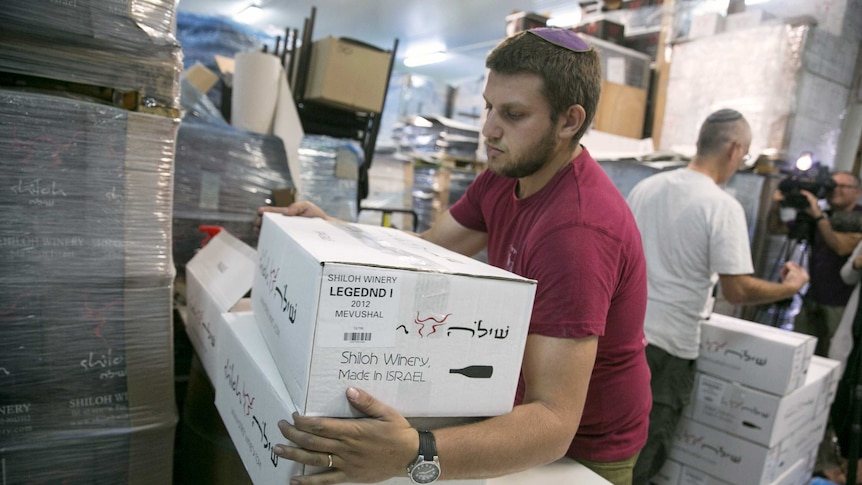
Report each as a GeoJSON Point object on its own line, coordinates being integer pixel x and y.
{"type": "Point", "coordinates": [348, 74]}
{"type": "Point", "coordinates": [605, 30]}
{"type": "Point", "coordinates": [621, 110]}
{"type": "Point", "coordinates": [518, 21]}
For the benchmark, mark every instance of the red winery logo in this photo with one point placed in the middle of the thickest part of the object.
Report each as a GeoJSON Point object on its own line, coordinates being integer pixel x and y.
{"type": "Point", "coordinates": [423, 323]}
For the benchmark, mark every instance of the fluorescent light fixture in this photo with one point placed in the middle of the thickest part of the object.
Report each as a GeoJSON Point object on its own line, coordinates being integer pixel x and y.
{"type": "Point", "coordinates": [425, 59]}
{"type": "Point", "coordinates": [567, 18]}
{"type": "Point", "coordinates": [250, 15]}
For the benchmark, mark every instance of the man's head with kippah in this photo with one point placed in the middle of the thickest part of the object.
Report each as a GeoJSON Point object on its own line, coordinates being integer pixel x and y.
{"type": "Point", "coordinates": [564, 38]}
{"type": "Point", "coordinates": [569, 67]}
{"type": "Point", "coordinates": [721, 127]}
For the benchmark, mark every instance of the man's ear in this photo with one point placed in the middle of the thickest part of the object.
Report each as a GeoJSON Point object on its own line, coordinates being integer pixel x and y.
{"type": "Point", "coordinates": [731, 151]}
{"type": "Point", "coordinates": [571, 121]}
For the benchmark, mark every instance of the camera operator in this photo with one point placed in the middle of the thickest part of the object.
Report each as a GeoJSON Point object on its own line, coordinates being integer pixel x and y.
{"type": "Point", "coordinates": [834, 234]}
{"type": "Point", "coordinates": [827, 294]}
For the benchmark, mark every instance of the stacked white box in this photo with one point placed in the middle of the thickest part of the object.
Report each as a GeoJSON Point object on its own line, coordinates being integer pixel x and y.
{"type": "Point", "coordinates": [759, 356]}
{"type": "Point", "coordinates": [727, 457]}
{"type": "Point", "coordinates": [797, 474]}
{"type": "Point", "coordinates": [756, 415]}
{"type": "Point", "coordinates": [251, 398]}
{"type": "Point", "coordinates": [669, 473]}
{"type": "Point", "coordinates": [217, 277]}
{"type": "Point", "coordinates": [759, 407]}
{"type": "Point", "coordinates": [706, 24]}
{"type": "Point", "coordinates": [426, 330]}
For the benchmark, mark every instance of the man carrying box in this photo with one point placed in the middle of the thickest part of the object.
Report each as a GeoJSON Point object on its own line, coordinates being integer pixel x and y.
{"type": "Point", "coordinates": [546, 211]}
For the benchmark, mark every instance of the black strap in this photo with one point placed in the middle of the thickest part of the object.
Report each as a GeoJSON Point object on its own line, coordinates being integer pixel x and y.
{"type": "Point", "coordinates": [427, 445]}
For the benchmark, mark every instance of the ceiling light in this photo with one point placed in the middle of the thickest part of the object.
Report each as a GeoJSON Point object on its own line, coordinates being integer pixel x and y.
{"type": "Point", "coordinates": [567, 18]}
{"type": "Point", "coordinates": [250, 15]}
{"type": "Point", "coordinates": [424, 59]}
{"type": "Point", "coordinates": [805, 161]}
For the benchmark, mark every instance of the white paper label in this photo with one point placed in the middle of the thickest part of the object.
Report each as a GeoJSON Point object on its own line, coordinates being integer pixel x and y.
{"type": "Point", "coordinates": [358, 308]}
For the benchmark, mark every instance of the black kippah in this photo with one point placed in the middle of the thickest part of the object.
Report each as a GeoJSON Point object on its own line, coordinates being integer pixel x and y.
{"type": "Point", "coordinates": [724, 115]}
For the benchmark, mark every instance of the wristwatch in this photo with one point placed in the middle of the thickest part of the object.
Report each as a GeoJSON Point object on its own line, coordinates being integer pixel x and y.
{"type": "Point", "coordinates": [426, 468]}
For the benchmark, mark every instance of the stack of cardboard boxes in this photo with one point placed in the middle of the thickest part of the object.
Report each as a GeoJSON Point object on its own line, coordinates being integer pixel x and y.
{"type": "Point", "coordinates": [87, 142]}
{"type": "Point", "coordinates": [434, 334]}
{"type": "Point", "coordinates": [758, 410]}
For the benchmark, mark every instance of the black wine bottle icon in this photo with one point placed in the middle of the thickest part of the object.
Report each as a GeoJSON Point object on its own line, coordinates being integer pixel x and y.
{"type": "Point", "coordinates": [475, 371]}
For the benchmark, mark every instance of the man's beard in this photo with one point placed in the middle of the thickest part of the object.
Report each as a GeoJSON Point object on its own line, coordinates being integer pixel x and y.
{"type": "Point", "coordinates": [531, 161]}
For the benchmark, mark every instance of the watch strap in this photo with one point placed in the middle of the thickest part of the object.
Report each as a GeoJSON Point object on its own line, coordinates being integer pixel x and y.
{"type": "Point", "coordinates": [427, 445]}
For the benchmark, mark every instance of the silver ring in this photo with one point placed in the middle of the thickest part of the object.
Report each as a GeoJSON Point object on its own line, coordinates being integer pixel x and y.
{"type": "Point", "coordinates": [330, 460]}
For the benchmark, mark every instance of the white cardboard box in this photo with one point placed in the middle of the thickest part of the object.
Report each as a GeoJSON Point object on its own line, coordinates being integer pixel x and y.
{"type": "Point", "coordinates": [738, 461]}
{"type": "Point", "coordinates": [767, 358]}
{"type": "Point", "coordinates": [748, 19]}
{"type": "Point", "coordinates": [706, 24]}
{"type": "Point", "coordinates": [825, 401]}
{"type": "Point", "coordinates": [756, 415]}
{"type": "Point", "coordinates": [345, 304]}
{"type": "Point", "coordinates": [797, 474]}
{"type": "Point", "coordinates": [217, 277]}
{"type": "Point", "coordinates": [668, 475]}
{"type": "Point", "coordinates": [251, 399]}
{"type": "Point", "coordinates": [724, 456]}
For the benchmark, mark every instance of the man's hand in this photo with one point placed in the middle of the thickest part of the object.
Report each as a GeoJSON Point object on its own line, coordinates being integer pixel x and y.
{"type": "Point", "coordinates": [302, 208]}
{"type": "Point", "coordinates": [363, 450]}
{"type": "Point", "coordinates": [794, 275]}
{"type": "Point", "coordinates": [813, 208]}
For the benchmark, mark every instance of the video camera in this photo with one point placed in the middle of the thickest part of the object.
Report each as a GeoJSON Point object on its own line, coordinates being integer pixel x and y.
{"type": "Point", "coordinates": [815, 180]}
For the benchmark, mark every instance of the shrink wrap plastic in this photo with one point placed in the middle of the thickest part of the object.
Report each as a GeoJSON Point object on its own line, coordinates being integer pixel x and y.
{"type": "Point", "coordinates": [86, 279]}
{"type": "Point", "coordinates": [129, 46]}
{"type": "Point", "coordinates": [222, 176]}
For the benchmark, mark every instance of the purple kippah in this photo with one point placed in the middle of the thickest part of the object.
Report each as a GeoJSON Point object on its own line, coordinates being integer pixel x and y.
{"type": "Point", "coordinates": [563, 38]}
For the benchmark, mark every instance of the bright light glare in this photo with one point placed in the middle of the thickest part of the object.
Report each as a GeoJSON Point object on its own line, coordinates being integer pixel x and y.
{"type": "Point", "coordinates": [565, 19]}
{"type": "Point", "coordinates": [755, 2]}
{"type": "Point", "coordinates": [424, 59]}
{"type": "Point", "coordinates": [804, 162]}
{"type": "Point", "coordinates": [422, 122]}
{"type": "Point", "coordinates": [250, 15]}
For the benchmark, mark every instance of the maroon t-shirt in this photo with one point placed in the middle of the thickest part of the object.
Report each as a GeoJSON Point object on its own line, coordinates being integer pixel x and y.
{"type": "Point", "coordinates": [577, 238]}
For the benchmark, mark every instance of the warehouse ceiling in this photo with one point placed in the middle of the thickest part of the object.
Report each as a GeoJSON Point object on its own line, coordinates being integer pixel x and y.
{"type": "Point", "coordinates": [466, 29]}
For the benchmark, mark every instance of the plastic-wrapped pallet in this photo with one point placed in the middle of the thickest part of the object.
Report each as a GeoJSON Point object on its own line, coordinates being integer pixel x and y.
{"type": "Point", "coordinates": [128, 22]}
{"type": "Point", "coordinates": [430, 193]}
{"type": "Point", "coordinates": [222, 175]}
{"type": "Point", "coordinates": [330, 168]}
{"type": "Point", "coordinates": [204, 37]}
{"type": "Point", "coordinates": [129, 46]}
{"type": "Point", "coordinates": [85, 292]}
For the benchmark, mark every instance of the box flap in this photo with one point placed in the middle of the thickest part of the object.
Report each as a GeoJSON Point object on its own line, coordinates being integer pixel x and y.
{"type": "Point", "coordinates": [225, 268]}
{"type": "Point", "coordinates": [335, 242]}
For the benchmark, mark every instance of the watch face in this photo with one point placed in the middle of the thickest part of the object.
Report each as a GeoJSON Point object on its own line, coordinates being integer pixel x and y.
{"type": "Point", "coordinates": [425, 472]}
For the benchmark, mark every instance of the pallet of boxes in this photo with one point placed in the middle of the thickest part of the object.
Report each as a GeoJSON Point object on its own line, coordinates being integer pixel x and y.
{"type": "Point", "coordinates": [758, 410]}
{"type": "Point", "coordinates": [89, 98]}
{"type": "Point", "coordinates": [437, 335]}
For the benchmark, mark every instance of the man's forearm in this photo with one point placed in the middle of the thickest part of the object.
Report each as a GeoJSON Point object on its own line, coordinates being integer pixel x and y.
{"type": "Point", "coordinates": [531, 435]}
{"type": "Point", "coordinates": [842, 243]}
